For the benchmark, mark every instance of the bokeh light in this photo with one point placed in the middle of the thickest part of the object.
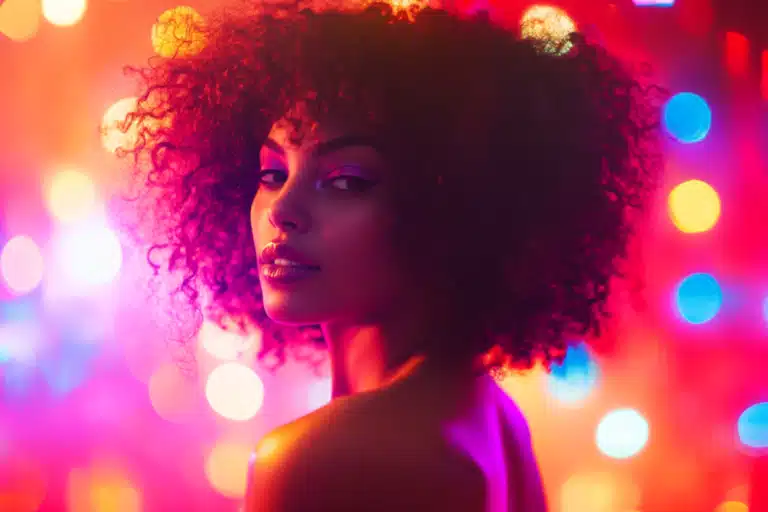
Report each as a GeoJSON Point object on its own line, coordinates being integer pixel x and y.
{"type": "Point", "coordinates": [572, 381]}
{"type": "Point", "coordinates": [687, 117]}
{"type": "Point", "coordinates": [114, 132]}
{"type": "Point", "coordinates": [20, 341]}
{"type": "Point", "coordinates": [88, 255]}
{"type": "Point", "coordinates": [765, 310]}
{"type": "Point", "coordinates": [172, 394]}
{"type": "Point", "coordinates": [319, 393]}
{"type": "Point", "coordinates": [102, 488]}
{"type": "Point", "coordinates": [234, 391]}
{"type": "Point", "coordinates": [179, 32]}
{"type": "Point", "coordinates": [698, 298]}
{"type": "Point", "coordinates": [400, 5]}
{"type": "Point", "coordinates": [752, 426]}
{"type": "Point", "coordinates": [64, 12]}
{"type": "Point", "coordinates": [69, 367]}
{"type": "Point", "coordinates": [732, 506]}
{"type": "Point", "coordinates": [71, 196]}
{"type": "Point", "coordinates": [18, 309]}
{"type": "Point", "coordinates": [226, 345]}
{"type": "Point", "coordinates": [19, 19]}
{"type": "Point", "coordinates": [694, 206]}
{"type": "Point", "coordinates": [21, 264]}
{"type": "Point", "coordinates": [226, 468]}
{"type": "Point", "coordinates": [654, 3]}
{"type": "Point", "coordinates": [598, 492]}
{"type": "Point", "coordinates": [622, 433]}
{"type": "Point", "coordinates": [550, 25]}
{"type": "Point", "coordinates": [181, 434]}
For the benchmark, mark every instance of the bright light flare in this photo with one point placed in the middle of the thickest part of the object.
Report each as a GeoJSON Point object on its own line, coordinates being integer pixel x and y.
{"type": "Point", "coordinates": [550, 25]}
{"type": "Point", "coordinates": [64, 13]}
{"type": "Point", "coordinates": [234, 391]}
{"type": "Point", "coordinates": [71, 196]}
{"type": "Point", "coordinates": [225, 345]}
{"type": "Point", "coordinates": [622, 433]}
{"type": "Point", "coordinates": [114, 132]}
{"type": "Point", "coordinates": [88, 255]}
{"type": "Point", "coordinates": [21, 264]}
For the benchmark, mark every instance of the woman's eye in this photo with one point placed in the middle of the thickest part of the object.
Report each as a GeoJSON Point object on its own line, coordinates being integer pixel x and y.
{"type": "Point", "coordinates": [272, 178]}
{"type": "Point", "coordinates": [347, 183]}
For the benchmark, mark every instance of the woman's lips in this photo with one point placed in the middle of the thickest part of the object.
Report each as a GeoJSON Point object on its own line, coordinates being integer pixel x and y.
{"type": "Point", "coordinates": [275, 273]}
{"type": "Point", "coordinates": [282, 253]}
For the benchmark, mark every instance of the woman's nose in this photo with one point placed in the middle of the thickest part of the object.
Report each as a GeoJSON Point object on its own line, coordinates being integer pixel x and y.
{"type": "Point", "coordinates": [289, 214]}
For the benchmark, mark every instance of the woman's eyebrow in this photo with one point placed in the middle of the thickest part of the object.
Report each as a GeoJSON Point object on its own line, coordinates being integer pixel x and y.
{"type": "Point", "coordinates": [338, 143]}
{"type": "Point", "coordinates": [328, 146]}
{"type": "Point", "coordinates": [274, 146]}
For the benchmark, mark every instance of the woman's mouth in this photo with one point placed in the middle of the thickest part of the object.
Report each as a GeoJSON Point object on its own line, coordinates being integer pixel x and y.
{"type": "Point", "coordinates": [281, 264]}
{"type": "Point", "coordinates": [285, 271]}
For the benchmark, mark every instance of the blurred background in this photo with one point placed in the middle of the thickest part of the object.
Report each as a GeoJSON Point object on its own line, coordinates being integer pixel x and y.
{"type": "Point", "coordinates": [99, 413]}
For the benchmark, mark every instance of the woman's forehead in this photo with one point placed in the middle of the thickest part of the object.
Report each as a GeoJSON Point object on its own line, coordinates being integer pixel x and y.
{"type": "Point", "coordinates": [301, 134]}
{"type": "Point", "coordinates": [307, 124]}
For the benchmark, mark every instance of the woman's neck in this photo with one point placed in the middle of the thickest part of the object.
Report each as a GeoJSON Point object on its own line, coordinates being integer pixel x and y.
{"type": "Point", "coordinates": [365, 358]}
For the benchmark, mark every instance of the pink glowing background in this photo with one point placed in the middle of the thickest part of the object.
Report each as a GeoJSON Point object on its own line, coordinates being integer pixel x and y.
{"type": "Point", "coordinates": [99, 413]}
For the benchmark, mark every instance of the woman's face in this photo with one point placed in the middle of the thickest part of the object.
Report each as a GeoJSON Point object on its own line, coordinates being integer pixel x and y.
{"type": "Point", "coordinates": [322, 227]}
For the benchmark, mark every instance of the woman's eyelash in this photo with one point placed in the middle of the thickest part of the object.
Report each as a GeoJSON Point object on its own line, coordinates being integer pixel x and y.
{"type": "Point", "coordinates": [271, 177]}
{"type": "Point", "coordinates": [348, 183]}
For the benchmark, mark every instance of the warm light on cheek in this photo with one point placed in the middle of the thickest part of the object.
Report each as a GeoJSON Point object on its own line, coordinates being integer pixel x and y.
{"type": "Point", "coordinates": [259, 209]}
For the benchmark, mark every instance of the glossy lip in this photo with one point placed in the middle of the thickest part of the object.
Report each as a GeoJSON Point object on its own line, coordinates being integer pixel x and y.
{"type": "Point", "coordinates": [276, 250]}
{"type": "Point", "coordinates": [281, 276]}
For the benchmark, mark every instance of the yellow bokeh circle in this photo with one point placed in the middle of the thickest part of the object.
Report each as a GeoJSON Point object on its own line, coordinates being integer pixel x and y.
{"type": "Point", "coordinates": [71, 196]}
{"type": "Point", "coordinates": [549, 25]}
{"type": "Point", "coordinates": [226, 468]}
{"type": "Point", "coordinates": [694, 206]}
{"type": "Point", "coordinates": [179, 32]}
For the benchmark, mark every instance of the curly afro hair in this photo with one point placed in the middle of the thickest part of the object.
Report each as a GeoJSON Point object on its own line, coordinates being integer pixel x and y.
{"type": "Point", "coordinates": [544, 158]}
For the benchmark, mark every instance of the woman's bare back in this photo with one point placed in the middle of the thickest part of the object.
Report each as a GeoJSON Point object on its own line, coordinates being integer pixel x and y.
{"type": "Point", "coordinates": [422, 443]}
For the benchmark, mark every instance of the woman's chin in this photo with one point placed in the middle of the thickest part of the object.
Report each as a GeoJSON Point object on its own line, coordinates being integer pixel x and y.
{"type": "Point", "coordinates": [290, 311]}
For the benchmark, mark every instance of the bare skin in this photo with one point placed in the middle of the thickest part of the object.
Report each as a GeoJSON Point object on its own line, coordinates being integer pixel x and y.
{"type": "Point", "coordinates": [402, 432]}
{"type": "Point", "coordinates": [422, 442]}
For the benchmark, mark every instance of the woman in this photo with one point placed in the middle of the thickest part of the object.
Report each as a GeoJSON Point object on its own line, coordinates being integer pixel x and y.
{"type": "Point", "coordinates": [439, 197]}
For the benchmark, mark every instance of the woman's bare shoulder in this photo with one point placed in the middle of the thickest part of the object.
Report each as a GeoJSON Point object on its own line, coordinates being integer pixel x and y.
{"type": "Point", "coordinates": [356, 454]}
